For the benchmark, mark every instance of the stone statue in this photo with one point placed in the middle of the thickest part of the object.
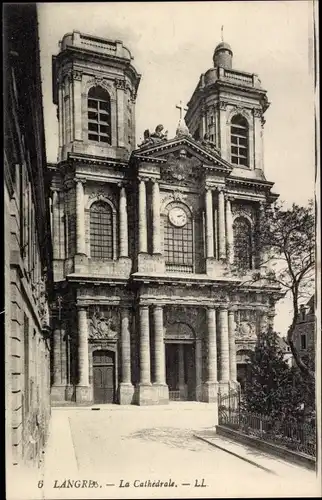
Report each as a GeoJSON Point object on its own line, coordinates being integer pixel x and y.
{"type": "Point", "coordinates": [155, 138]}
{"type": "Point", "coordinates": [158, 134]}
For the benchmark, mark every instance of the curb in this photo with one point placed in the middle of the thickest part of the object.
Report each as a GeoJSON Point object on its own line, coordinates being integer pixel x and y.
{"type": "Point", "coordinates": [251, 462]}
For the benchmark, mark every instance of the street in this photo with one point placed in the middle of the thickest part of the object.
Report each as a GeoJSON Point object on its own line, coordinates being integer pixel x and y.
{"type": "Point", "coordinates": [140, 452]}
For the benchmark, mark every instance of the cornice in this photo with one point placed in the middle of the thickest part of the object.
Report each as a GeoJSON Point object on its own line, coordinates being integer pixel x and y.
{"type": "Point", "coordinates": [249, 182]}
{"type": "Point", "coordinates": [216, 162]}
{"type": "Point", "coordinates": [96, 281]}
{"type": "Point", "coordinates": [94, 160]}
{"type": "Point", "coordinates": [198, 281]}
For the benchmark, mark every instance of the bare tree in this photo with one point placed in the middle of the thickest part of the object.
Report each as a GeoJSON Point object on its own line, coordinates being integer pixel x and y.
{"type": "Point", "coordinates": [286, 242]}
{"type": "Point", "coordinates": [287, 237]}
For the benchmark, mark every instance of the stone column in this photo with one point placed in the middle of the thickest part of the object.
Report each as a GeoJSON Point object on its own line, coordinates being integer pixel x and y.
{"type": "Point", "coordinates": [263, 323]}
{"type": "Point", "coordinates": [223, 129]}
{"type": "Point", "coordinates": [229, 231]}
{"type": "Point", "coordinates": [262, 254]}
{"type": "Point", "coordinates": [224, 348]}
{"type": "Point", "coordinates": [57, 392]}
{"type": "Point", "coordinates": [271, 317]}
{"type": "Point", "coordinates": [119, 84]}
{"type": "Point", "coordinates": [232, 347]}
{"type": "Point", "coordinates": [124, 238]}
{"type": "Point", "coordinates": [80, 217]}
{"type": "Point", "coordinates": [55, 224]}
{"type": "Point", "coordinates": [144, 387]}
{"type": "Point", "coordinates": [160, 386]}
{"type": "Point", "coordinates": [71, 107]}
{"type": "Point", "coordinates": [126, 387]}
{"type": "Point", "coordinates": [77, 101]}
{"type": "Point", "coordinates": [209, 224]}
{"type": "Point", "coordinates": [156, 245]}
{"type": "Point", "coordinates": [82, 389]}
{"type": "Point", "coordinates": [198, 364]}
{"type": "Point", "coordinates": [68, 117]}
{"type": "Point", "coordinates": [181, 371]}
{"type": "Point", "coordinates": [257, 147]}
{"type": "Point", "coordinates": [61, 115]}
{"type": "Point", "coordinates": [143, 244]}
{"type": "Point", "coordinates": [221, 224]}
{"type": "Point", "coordinates": [211, 386]}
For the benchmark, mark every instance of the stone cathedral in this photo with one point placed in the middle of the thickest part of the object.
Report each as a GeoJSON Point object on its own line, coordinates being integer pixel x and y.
{"type": "Point", "coordinates": [146, 238]}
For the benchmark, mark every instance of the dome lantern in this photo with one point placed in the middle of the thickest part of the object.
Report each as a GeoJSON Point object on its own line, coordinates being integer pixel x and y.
{"type": "Point", "coordinates": [223, 56]}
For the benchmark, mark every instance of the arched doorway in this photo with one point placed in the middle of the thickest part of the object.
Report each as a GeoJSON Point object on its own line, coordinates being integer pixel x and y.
{"type": "Point", "coordinates": [103, 376]}
{"type": "Point", "coordinates": [243, 367]}
{"type": "Point", "coordinates": [180, 362]}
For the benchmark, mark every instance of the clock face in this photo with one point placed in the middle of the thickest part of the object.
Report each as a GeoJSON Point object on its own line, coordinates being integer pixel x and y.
{"type": "Point", "coordinates": [178, 217]}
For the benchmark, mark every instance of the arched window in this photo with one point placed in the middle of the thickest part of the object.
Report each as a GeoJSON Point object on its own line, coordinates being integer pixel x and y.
{"type": "Point", "coordinates": [239, 141]}
{"type": "Point", "coordinates": [243, 249]}
{"type": "Point", "coordinates": [101, 230]}
{"type": "Point", "coordinates": [178, 239]}
{"type": "Point", "coordinates": [99, 115]}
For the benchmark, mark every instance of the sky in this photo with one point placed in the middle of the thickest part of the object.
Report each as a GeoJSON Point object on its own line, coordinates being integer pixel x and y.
{"type": "Point", "coordinates": [173, 43]}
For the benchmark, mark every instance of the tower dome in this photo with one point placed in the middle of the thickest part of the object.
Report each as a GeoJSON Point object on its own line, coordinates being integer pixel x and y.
{"type": "Point", "coordinates": [223, 55]}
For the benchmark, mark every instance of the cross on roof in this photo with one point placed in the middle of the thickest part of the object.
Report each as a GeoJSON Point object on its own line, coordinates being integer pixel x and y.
{"type": "Point", "coordinates": [222, 33]}
{"type": "Point", "coordinates": [181, 108]}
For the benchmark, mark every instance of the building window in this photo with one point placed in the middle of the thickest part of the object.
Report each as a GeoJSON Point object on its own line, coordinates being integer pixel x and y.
{"type": "Point", "coordinates": [178, 245]}
{"type": "Point", "coordinates": [99, 115]}
{"type": "Point", "coordinates": [243, 249]}
{"type": "Point", "coordinates": [239, 141]}
{"type": "Point", "coordinates": [303, 341]}
{"type": "Point", "coordinates": [101, 230]}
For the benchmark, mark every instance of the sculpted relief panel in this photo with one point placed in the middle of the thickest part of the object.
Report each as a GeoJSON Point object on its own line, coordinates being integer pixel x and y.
{"type": "Point", "coordinates": [181, 169]}
{"type": "Point", "coordinates": [246, 324]}
{"type": "Point", "coordinates": [103, 323]}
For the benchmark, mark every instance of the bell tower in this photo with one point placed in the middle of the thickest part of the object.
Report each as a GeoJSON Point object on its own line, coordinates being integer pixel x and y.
{"type": "Point", "coordinates": [228, 108]}
{"type": "Point", "coordinates": [94, 88]}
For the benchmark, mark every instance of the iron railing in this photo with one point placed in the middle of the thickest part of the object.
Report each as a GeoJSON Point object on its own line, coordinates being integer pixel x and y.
{"type": "Point", "coordinates": [292, 434]}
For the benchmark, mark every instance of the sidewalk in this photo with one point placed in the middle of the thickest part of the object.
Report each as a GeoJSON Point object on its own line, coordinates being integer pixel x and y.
{"type": "Point", "coordinates": [259, 459]}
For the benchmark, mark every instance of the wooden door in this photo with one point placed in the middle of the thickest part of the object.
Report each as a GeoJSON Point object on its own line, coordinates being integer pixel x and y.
{"type": "Point", "coordinates": [103, 377]}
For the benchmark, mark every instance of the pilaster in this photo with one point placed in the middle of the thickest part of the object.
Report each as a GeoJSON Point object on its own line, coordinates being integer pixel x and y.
{"type": "Point", "coordinates": [209, 224]}
{"type": "Point", "coordinates": [126, 389]}
{"type": "Point", "coordinates": [223, 347]}
{"type": "Point", "coordinates": [161, 391]}
{"type": "Point", "coordinates": [221, 224]}
{"type": "Point", "coordinates": [143, 244]}
{"type": "Point", "coordinates": [156, 245]}
{"type": "Point", "coordinates": [83, 395]}
{"type": "Point", "coordinates": [123, 237]}
{"type": "Point", "coordinates": [229, 231]}
{"type": "Point", "coordinates": [210, 387]}
{"type": "Point", "coordinates": [232, 347]}
{"type": "Point", "coordinates": [77, 101]}
{"type": "Point", "coordinates": [144, 388]}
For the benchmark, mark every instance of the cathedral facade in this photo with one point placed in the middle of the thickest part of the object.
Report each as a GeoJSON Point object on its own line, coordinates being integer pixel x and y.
{"type": "Point", "coordinates": [146, 239]}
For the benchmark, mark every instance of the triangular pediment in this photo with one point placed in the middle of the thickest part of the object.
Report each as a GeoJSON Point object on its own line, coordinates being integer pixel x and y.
{"type": "Point", "coordinates": [162, 151]}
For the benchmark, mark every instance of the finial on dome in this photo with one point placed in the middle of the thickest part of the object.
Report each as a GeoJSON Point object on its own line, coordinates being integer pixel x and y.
{"type": "Point", "coordinates": [182, 128]}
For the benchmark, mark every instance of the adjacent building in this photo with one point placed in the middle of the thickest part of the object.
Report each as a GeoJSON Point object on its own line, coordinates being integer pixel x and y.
{"type": "Point", "coordinates": [146, 240]}
{"type": "Point", "coordinates": [27, 243]}
{"type": "Point", "coordinates": [304, 335]}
